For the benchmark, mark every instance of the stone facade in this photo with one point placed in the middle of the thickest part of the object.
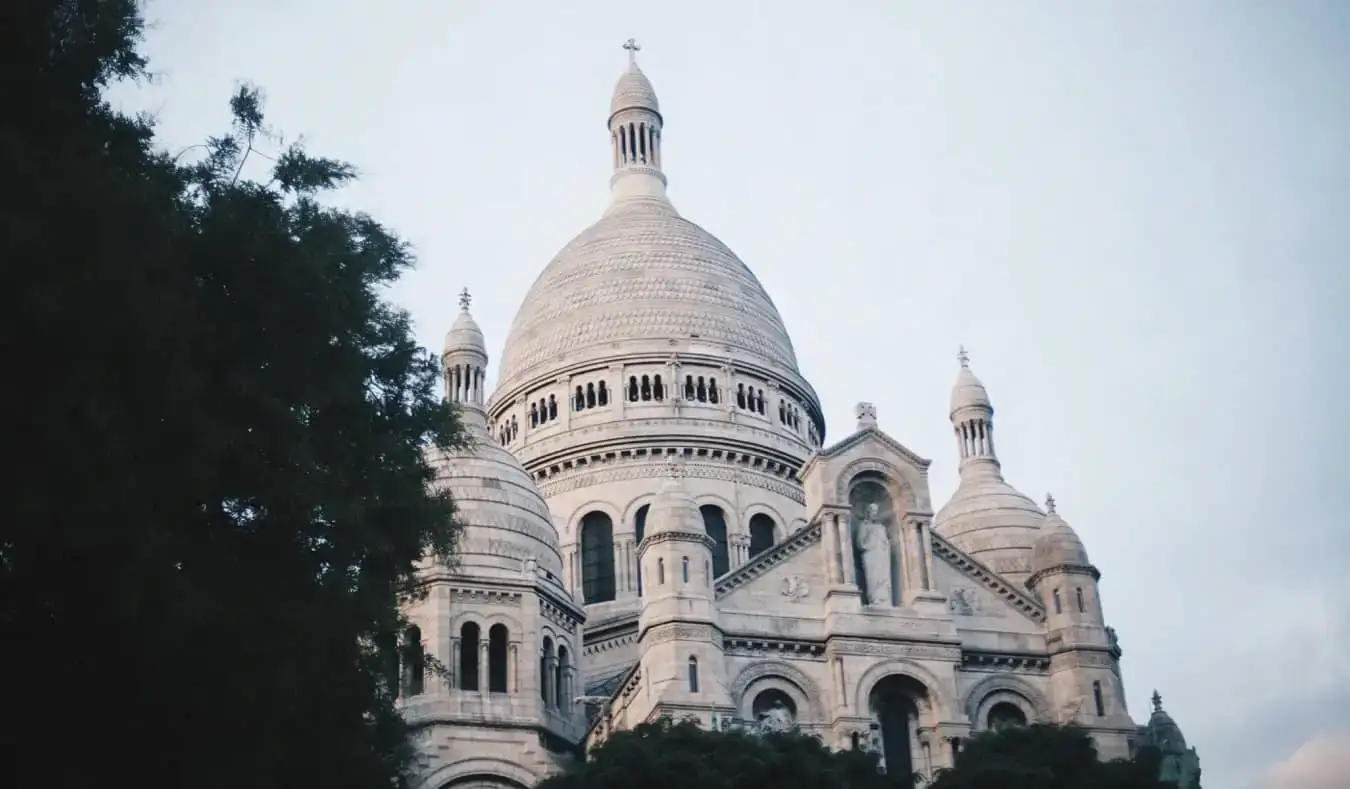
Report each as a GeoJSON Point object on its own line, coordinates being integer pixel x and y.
{"type": "Point", "coordinates": [653, 462]}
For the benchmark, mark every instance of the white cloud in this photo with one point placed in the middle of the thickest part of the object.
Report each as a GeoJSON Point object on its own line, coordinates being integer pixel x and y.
{"type": "Point", "coordinates": [1320, 763]}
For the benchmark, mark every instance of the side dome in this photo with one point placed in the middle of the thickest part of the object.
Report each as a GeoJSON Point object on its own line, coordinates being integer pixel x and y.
{"type": "Point", "coordinates": [969, 392]}
{"type": "Point", "coordinates": [642, 276]}
{"type": "Point", "coordinates": [633, 91]}
{"type": "Point", "coordinates": [674, 510]}
{"type": "Point", "coordinates": [1161, 731]}
{"type": "Point", "coordinates": [993, 522]}
{"type": "Point", "coordinates": [1058, 544]}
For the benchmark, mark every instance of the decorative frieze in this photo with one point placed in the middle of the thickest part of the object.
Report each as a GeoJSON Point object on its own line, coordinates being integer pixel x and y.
{"type": "Point", "coordinates": [756, 646]}
{"type": "Point", "coordinates": [681, 631]}
{"type": "Point", "coordinates": [979, 660]}
{"type": "Point", "coordinates": [896, 649]}
{"type": "Point", "coordinates": [466, 596]}
{"type": "Point", "coordinates": [622, 468]}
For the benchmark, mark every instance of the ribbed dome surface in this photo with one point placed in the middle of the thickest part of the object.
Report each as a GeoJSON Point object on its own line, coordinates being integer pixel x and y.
{"type": "Point", "coordinates": [674, 510]}
{"type": "Point", "coordinates": [633, 90]}
{"type": "Point", "coordinates": [968, 391]}
{"type": "Point", "coordinates": [464, 335]}
{"type": "Point", "coordinates": [1058, 545]}
{"type": "Point", "coordinates": [993, 522]}
{"type": "Point", "coordinates": [506, 520]}
{"type": "Point", "coordinates": [642, 273]}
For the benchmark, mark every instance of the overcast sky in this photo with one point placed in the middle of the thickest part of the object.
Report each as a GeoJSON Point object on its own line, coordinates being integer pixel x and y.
{"type": "Point", "coordinates": [1136, 215]}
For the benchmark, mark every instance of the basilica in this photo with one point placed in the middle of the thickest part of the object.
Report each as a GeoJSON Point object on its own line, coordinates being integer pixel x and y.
{"type": "Point", "coordinates": [656, 525]}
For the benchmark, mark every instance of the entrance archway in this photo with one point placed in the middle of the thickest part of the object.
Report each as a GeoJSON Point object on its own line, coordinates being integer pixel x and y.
{"type": "Point", "coordinates": [896, 704]}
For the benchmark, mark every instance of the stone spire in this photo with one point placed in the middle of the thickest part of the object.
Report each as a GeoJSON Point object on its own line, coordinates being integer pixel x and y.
{"type": "Point", "coordinates": [464, 366]}
{"type": "Point", "coordinates": [972, 416]}
{"type": "Point", "coordinates": [635, 125]}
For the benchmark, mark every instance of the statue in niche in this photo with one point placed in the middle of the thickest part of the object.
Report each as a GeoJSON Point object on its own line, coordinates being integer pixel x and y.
{"type": "Point", "coordinates": [777, 718]}
{"type": "Point", "coordinates": [874, 549]}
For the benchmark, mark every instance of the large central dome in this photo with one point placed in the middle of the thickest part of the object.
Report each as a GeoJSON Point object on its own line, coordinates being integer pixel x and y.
{"type": "Point", "coordinates": [643, 273]}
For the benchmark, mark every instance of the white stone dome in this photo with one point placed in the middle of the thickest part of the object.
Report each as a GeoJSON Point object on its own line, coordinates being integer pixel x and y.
{"type": "Point", "coordinates": [633, 91]}
{"type": "Point", "coordinates": [642, 276]}
{"type": "Point", "coordinates": [506, 521]}
{"type": "Point", "coordinates": [1058, 544]}
{"type": "Point", "coordinates": [968, 392]}
{"type": "Point", "coordinates": [674, 509]}
{"type": "Point", "coordinates": [465, 335]}
{"type": "Point", "coordinates": [993, 522]}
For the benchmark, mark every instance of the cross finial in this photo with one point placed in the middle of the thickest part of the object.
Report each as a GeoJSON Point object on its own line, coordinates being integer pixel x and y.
{"type": "Point", "coordinates": [963, 357]}
{"type": "Point", "coordinates": [1157, 701]}
{"type": "Point", "coordinates": [465, 299]}
{"type": "Point", "coordinates": [632, 46]}
{"type": "Point", "coordinates": [1050, 504]}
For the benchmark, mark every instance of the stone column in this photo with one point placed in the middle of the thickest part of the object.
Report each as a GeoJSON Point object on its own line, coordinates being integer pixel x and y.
{"type": "Point", "coordinates": [620, 568]}
{"type": "Point", "coordinates": [926, 540]}
{"type": "Point", "coordinates": [829, 546]}
{"type": "Point", "coordinates": [841, 690]}
{"type": "Point", "coordinates": [513, 669]}
{"type": "Point", "coordinates": [846, 551]}
{"type": "Point", "coordinates": [456, 681]}
{"type": "Point", "coordinates": [483, 663]}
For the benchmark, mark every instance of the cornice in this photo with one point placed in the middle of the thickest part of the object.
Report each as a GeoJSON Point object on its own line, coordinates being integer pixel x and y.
{"type": "Point", "coordinates": [798, 541]}
{"type": "Point", "coordinates": [1024, 603]}
{"type": "Point", "coordinates": [1067, 568]}
{"type": "Point", "coordinates": [620, 467]}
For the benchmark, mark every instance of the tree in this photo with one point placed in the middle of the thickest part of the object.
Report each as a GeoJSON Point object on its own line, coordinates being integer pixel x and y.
{"type": "Point", "coordinates": [217, 435]}
{"type": "Point", "coordinates": [666, 755]}
{"type": "Point", "coordinates": [1044, 756]}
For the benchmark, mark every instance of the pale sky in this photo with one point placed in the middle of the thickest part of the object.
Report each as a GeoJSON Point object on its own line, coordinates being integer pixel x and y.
{"type": "Point", "coordinates": [1136, 215]}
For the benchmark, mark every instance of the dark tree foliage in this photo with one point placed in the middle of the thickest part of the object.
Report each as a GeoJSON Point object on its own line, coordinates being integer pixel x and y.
{"type": "Point", "coordinates": [1045, 757]}
{"type": "Point", "coordinates": [665, 755]}
{"type": "Point", "coordinates": [215, 431]}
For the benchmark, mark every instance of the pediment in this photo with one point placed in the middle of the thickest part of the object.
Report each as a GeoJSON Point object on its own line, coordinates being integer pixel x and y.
{"type": "Point", "coordinates": [975, 592]}
{"type": "Point", "coordinates": [827, 476]}
{"type": "Point", "coordinates": [787, 574]}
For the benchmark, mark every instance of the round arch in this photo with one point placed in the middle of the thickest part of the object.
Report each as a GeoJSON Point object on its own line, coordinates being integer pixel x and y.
{"type": "Point", "coordinates": [896, 482]}
{"type": "Point", "coordinates": [780, 524]}
{"type": "Point", "coordinates": [479, 771]}
{"type": "Point", "coordinates": [595, 505]}
{"type": "Point", "coordinates": [999, 689]}
{"type": "Point", "coordinates": [728, 510]}
{"type": "Point", "coordinates": [935, 705]}
{"type": "Point", "coordinates": [626, 526]}
{"type": "Point", "coordinates": [783, 676]}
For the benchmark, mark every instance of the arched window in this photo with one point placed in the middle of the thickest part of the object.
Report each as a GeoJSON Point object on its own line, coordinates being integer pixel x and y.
{"type": "Point", "coordinates": [1097, 697]}
{"type": "Point", "coordinates": [552, 407]}
{"type": "Point", "coordinates": [534, 415]}
{"type": "Point", "coordinates": [597, 558]}
{"type": "Point", "coordinates": [693, 674]}
{"type": "Point", "coordinates": [414, 661]}
{"type": "Point", "coordinates": [1005, 715]}
{"type": "Point", "coordinates": [468, 656]}
{"type": "Point", "coordinates": [684, 569]}
{"type": "Point", "coordinates": [578, 400]}
{"type": "Point", "coordinates": [590, 395]}
{"type": "Point", "coordinates": [740, 395]}
{"type": "Point", "coordinates": [546, 670]}
{"type": "Point", "coordinates": [1059, 609]}
{"type": "Point", "coordinates": [602, 395]}
{"type": "Point", "coordinates": [497, 638]}
{"type": "Point", "coordinates": [761, 533]}
{"type": "Point", "coordinates": [660, 572]}
{"type": "Point", "coordinates": [647, 388]}
{"type": "Point", "coordinates": [1082, 607]}
{"type": "Point", "coordinates": [560, 684]}
{"type": "Point", "coordinates": [715, 524]}
{"type": "Point", "coordinates": [658, 390]}
{"type": "Point", "coordinates": [632, 389]}
{"type": "Point", "coordinates": [712, 390]}
{"type": "Point", "coordinates": [640, 529]}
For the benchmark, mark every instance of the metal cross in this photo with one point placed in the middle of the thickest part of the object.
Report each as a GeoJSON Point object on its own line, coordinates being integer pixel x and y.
{"type": "Point", "coordinates": [963, 357]}
{"type": "Point", "coordinates": [632, 46]}
{"type": "Point", "coordinates": [464, 299]}
{"type": "Point", "coordinates": [1050, 504]}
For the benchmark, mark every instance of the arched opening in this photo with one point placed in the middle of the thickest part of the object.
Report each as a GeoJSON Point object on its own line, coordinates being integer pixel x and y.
{"type": "Point", "coordinates": [1059, 608]}
{"type": "Point", "coordinates": [597, 558]}
{"type": "Point", "coordinates": [646, 388]}
{"type": "Point", "coordinates": [552, 407]}
{"type": "Point", "coordinates": [715, 525]}
{"type": "Point", "coordinates": [546, 670]}
{"type": "Point", "coordinates": [414, 661]}
{"type": "Point", "coordinates": [632, 389]}
{"type": "Point", "coordinates": [1082, 607]}
{"type": "Point", "coordinates": [895, 703]}
{"type": "Point", "coordinates": [497, 646]}
{"type": "Point", "coordinates": [590, 395]}
{"type": "Point", "coordinates": [560, 683]}
{"type": "Point", "coordinates": [602, 394]}
{"type": "Point", "coordinates": [693, 674]}
{"type": "Point", "coordinates": [774, 710]}
{"type": "Point", "coordinates": [658, 389]}
{"type": "Point", "coordinates": [761, 533]}
{"type": "Point", "coordinates": [1005, 715]}
{"type": "Point", "coordinates": [660, 572]}
{"type": "Point", "coordinates": [579, 400]}
{"type": "Point", "coordinates": [468, 656]}
{"type": "Point", "coordinates": [639, 531]}
{"type": "Point", "coordinates": [1097, 698]}
{"type": "Point", "coordinates": [684, 570]}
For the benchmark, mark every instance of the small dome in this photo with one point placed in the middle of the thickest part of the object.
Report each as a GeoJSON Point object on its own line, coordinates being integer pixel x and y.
{"type": "Point", "coordinates": [1058, 544]}
{"type": "Point", "coordinates": [506, 521]}
{"type": "Point", "coordinates": [674, 509]}
{"type": "Point", "coordinates": [464, 334]}
{"type": "Point", "coordinates": [633, 91]}
{"type": "Point", "coordinates": [968, 391]}
{"type": "Point", "coordinates": [1162, 732]}
{"type": "Point", "coordinates": [992, 521]}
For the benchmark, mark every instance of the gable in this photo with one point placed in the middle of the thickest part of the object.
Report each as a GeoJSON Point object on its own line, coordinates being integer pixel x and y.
{"type": "Point", "coordinates": [788, 576]}
{"type": "Point", "coordinates": [977, 596]}
{"type": "Point", "coordinates": [829, 473]}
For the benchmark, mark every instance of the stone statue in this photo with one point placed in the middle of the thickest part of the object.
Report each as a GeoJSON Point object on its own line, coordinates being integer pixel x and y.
{"type": "Point", "coordinates": [778, 718]}
{"type": "Point", "coordinates": [874, 548]}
